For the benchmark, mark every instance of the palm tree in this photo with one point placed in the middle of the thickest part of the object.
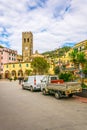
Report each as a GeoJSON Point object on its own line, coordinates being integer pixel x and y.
{"type": "Point", "coordinates": [85, 69]}
{"type": "Point", "coordinates": [78, 58]}
{"type": "Point", "coordinates": [73, 56]}
{"type": "Point", "coordinates": [81, 58]}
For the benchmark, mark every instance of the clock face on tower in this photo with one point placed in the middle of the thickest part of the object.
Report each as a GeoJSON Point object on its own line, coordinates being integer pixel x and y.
{"type": "Point", "coordinates": [26, 48]}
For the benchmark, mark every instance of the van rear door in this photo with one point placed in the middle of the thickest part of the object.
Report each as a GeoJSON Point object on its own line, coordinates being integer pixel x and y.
{"type": "Point", "coordinates": [26, 83]}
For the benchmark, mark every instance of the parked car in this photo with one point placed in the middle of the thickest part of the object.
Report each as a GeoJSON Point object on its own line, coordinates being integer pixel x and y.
{"type": "Point", "coordinates": [33, 83]}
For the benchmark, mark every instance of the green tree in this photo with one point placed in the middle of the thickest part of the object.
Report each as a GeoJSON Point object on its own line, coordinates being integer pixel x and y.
{"type": "Point", "coordinates": [73, 56]}
{"type": "Point", "coordinates": [28, 72]}
{"type": "Point", "coordinates": [57, 70]}
{"type": "Point", "coordinates": [85, 70]}
{"type": "Point", "coordinates": [40, 65]}
{"type": "Point", "coordinates": [81, 58]}
{"type": "Point", "coordinates": [67, 76]}
{"type": "Point", "coordinates": [78, 58]}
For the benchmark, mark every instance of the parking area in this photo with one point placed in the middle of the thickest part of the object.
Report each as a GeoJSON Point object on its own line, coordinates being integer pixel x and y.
{"type": "Point", "coordinates": [25, 110]}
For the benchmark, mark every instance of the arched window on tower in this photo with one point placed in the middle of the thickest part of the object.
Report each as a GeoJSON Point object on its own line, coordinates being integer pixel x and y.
{"type": "Point", "coordinates": [28, 40]}
{"type": "Point", "coordinates": [24, 39]}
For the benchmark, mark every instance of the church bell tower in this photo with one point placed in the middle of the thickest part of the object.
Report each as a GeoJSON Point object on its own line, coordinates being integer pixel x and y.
{"type": "Point", "coordinates": [27, 45]}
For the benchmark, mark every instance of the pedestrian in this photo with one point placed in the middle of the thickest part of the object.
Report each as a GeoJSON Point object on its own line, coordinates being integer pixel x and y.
{"type": "Point", "coordinates": [19, 80]}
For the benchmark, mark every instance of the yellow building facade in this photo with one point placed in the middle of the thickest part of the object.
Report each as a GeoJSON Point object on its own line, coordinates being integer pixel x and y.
{"type": "Point", "coordinates": [65, 60]}
{"type": "Point", "coordinates": [81, 47]}
{"type": "Point", "coordinates": [12, 70]}
{"type": "Point", "coordinates": [21, 69]}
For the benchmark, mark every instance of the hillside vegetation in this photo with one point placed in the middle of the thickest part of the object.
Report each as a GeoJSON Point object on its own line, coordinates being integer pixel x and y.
{"type": "Point", "coordinates": [57, 52]}
{"type": "Point", "coordinates": [1, 46]}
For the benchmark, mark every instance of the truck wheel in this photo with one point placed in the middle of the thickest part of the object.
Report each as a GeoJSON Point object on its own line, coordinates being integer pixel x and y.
{"type": "Point", "coordinates": [57, 95]}
{"type": "Point", "coordinates": [31, 89]}
{"type": "Point", "coordinates": [70, 95]}
{"type": "Point", "coordinates": [44, 92]}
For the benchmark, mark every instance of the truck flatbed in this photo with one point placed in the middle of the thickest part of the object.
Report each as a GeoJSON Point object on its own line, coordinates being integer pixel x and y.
{"type": "Point", "coordinates": [62, 89]}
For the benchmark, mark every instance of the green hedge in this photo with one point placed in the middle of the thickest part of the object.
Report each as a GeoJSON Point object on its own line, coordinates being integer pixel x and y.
{"type": "Point", "coordinates": [67, 76]}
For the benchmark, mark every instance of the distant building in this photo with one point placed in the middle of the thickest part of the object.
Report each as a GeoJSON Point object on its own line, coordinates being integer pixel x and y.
{"type": "Point", "coordinates": [6, 56]}
{"type": "Point", "coordinates": [81, 47]}
{"type": "Point", "coordinates": [66, 60]}
{"type": "Point", "coordinates": [36, 54]}
{"type": "Point", "coordinates": [19, 58]}
{"type": "Point", "coordinates": [27, 45]}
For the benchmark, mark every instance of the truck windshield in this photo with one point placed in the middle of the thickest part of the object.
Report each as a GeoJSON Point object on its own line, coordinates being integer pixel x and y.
{"type": "Point", "coordinates": [53, 78]}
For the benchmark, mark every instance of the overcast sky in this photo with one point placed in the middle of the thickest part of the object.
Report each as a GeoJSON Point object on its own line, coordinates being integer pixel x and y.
{"type": "Point", "coordinates": [54, 23]}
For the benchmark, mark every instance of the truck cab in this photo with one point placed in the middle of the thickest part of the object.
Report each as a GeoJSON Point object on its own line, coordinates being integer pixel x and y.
{"type": "Point", "coordinates": [47, 80]}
